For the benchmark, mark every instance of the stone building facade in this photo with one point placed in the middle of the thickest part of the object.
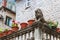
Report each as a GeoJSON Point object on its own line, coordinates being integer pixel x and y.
{"type": "Point", "coordinates": [25, 10]}
{"type": "Point", "coordinates": [50, 9]}
{"type": "Point", "coordinates": [7, 15]}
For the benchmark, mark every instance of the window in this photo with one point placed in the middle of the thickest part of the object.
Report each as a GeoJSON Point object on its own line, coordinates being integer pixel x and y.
{"type": "Point", "coordinates": [11, 5]}
{"type": "Point", "coordinates": [8, 21]}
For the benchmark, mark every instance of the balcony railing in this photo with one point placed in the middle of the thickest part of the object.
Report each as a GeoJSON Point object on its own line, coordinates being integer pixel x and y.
{"type": "Point", "coordinates": [44, 29]}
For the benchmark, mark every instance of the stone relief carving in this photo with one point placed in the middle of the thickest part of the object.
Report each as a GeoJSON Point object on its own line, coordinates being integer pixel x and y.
{"type": "Point", "coordinates": [39, 15]}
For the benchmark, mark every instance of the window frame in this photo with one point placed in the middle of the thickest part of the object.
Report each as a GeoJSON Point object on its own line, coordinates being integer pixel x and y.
{"type": "Point", "coordinates": [6, 20]}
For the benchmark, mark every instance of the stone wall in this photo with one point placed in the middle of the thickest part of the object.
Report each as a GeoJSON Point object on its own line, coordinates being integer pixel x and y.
{"type": "Point", "coordinates": [50, 9]}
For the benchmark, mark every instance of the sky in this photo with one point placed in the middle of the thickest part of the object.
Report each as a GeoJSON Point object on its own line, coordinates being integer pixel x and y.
{"type": "Point", "coordinates": [0, 0]}
{"type": "Point", "coordinates": [9, 0]}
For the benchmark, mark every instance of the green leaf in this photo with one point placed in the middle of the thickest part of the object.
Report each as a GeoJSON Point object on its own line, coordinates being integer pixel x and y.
{"type": "Point", "coordinates": [1, 30]}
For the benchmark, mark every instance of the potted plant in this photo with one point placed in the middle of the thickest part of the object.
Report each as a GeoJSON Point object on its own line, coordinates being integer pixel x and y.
{"type": "Point", "coordinates": [1, 33]}
{"type": "Point", "coordinates": [14, 26]}
{"type": "Point", "coordinates": [52, 24]}
{"type": "Point", "coordinates": [23, 25]}
{"type": "Point", "coordinates": [58, 30]}
{"type": "Point", "coordinates": [5, 32]}
{"type": "Point", "coordinates": [30, 22]}
{"type": "Point", "coordinates": [10, 32]}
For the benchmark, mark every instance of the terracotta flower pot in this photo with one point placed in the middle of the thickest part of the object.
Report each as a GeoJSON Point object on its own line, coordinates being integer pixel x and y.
{"type": "Point", "coordinates": [15, 29]}
{"type": "Point", "coordinates": [1, 35]}
{"type": "Point", "coordinates": [58, 30]}
{"type": "Point", "coordinates": [23, 25]}
{"type": "Point", "coordinates": [30, 22]}
{"type": "Point", "coordinates": [13, 21]}
{"type": "Point", "coordinates": [9, 32]}
{"type": "Point", "coordinates": [5, 33]}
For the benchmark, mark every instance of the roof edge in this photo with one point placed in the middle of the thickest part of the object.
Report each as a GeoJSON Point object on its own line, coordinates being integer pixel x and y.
{"type": "Point", "coordinates": [5, 8]}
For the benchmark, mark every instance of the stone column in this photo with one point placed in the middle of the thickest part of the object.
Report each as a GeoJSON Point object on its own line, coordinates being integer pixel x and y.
{"type": "Point", "coordinates": [37, 34]}
{"type": "Point", "coordinates": [19, 37]}
{"type": "Point", "coordinates": [52, 37]}
{"type": "Point", "coordinates": [13, 38]}
{"type": "Point", "coordinates": [44, 36]}
{"type": "Point", "coordinates": [16, 38]}
{"type": "Point", "coordinates": [27, 36]}
{"type": "Point", "coordinates": [47, 36]}
{"type": "Point", "coordinates": [59, 38]}
{"type": "Point", "coordinates": [24, 37]}
{"type": "Point", "coordinates": [32, 35]}
{"type": "Point", "coordinates": [56, 38]}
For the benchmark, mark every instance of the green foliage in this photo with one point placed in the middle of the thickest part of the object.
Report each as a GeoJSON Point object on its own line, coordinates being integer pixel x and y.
{"type": "Point", "coordinates": [1, 30]}
{"type": "Point", "coordinates": [52, 24]}
{"type": "Point", "coordinates": [14, 25]}
{"type": "Point", "coordinates": [6, 29]}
